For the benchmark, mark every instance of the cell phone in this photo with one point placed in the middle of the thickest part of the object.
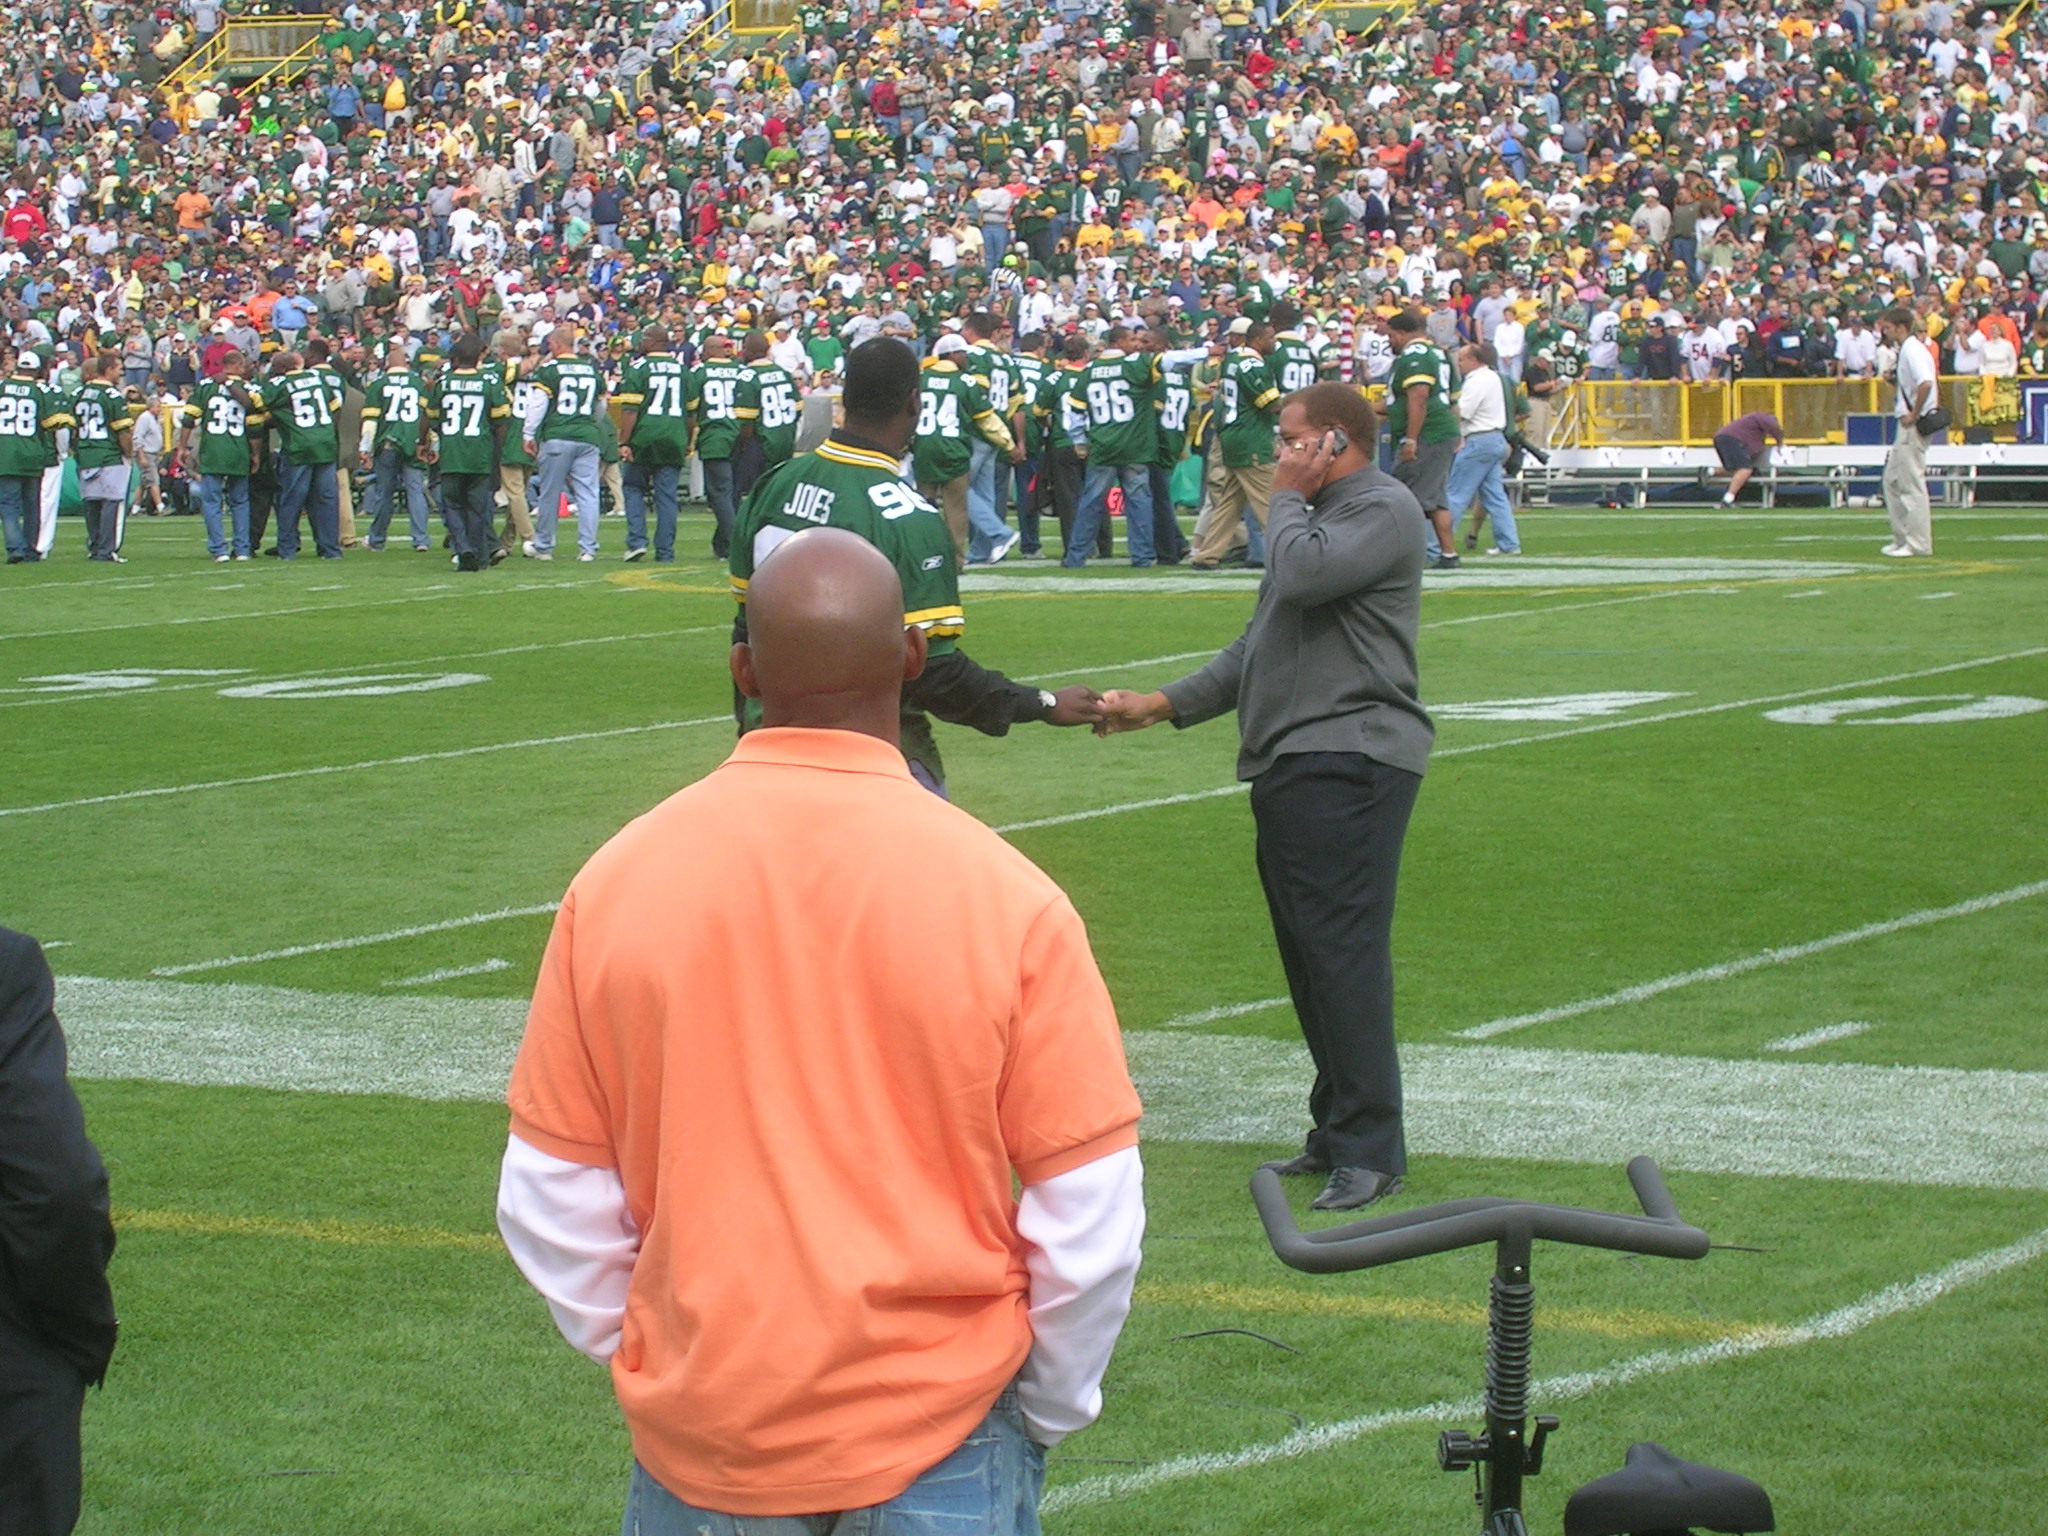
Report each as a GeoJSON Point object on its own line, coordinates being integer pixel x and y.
{"type": "Point", "coordinates": [1336, 441]}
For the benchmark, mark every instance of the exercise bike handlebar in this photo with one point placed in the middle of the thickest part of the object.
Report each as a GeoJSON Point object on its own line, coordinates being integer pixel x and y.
{"type": "Point", "coordinates": [1659, 1231]}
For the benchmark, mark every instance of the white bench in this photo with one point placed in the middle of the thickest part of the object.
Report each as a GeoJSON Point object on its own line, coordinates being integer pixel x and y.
{"type": "Point", "coordinates": [1954, 469]}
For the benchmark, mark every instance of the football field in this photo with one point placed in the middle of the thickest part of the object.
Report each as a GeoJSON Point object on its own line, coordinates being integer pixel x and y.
{"type": "Point", "coordinates": [1734, 850]}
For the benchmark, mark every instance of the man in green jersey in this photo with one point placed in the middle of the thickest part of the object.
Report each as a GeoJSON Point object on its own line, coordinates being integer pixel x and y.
{"type": "Point", "coordinates": [1423, 421]}
{"type": "Point", "coordinates": [654, 442]}
{"type": "Point", "coordinates": [1173, 403]}
{"type": "Point", "coordinates": [301, 402]}
{"type": "Point", "coordinates": [515, 466]}
{"type": "Point", "coordinates": [562, 434]}
{"type": "Point", "coordinates": [1034, 386]}
{"type": "Point", "coordinates": [989, 360]}
{"type": "Point", "coordinates": [854, 481]}
{"type": "Point", "coordinates": [714, 411]}
{"type": "Point", "coordinates": [954, 412]}
{"type": "Point", "coordinates": [1117, 436]}
{"type": "Point", "coordinates": [769, 410]}
{"type": "Point", "coordinates": [99, 442]}
{"type": "Point", "coordinates": [394, 405]}
{"type": "Point", "coordinates": [30, 414]}
{"type": "Point", "coordinates": [1293, 364]}
{"type": "Point", "coordinates": [1240, 472]}
{"type": "Point", "coordinates": [465, 427]}
{"type": "Point", "coordinates": [218, 449]}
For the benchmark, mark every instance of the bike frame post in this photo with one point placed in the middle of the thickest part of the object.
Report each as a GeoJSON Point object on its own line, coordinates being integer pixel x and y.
{"type": "Point", "coordinates": [1511, 1316]}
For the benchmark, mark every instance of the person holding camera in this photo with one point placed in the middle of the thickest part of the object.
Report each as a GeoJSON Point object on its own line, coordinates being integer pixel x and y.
{"type": "Point", "coordinates": [1917, 390]}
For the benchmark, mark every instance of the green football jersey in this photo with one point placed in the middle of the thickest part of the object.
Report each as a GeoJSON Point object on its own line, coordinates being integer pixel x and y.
{"type": "Point", "coordinates": [1293, 364]}
{"type": "Point", "coordinates": [768, 398]}
{"type": "Point", "coordinates": [1174, 400]}
{"type": "Point", "coordinates": [1421, 363]}
{"type": "Point", "coordinates": [952, 409]}
{"type": "Point", "coordinates": [469, 408]}
{"type": "Point", "coordinates": [1115, 393]}
{"type": "Point", "coordinates": [1247, 406]}
{"type": "Point", "coordinates": [225, 428]}
{"type": "Point", "coordinates": [302, 406]}
{"type": "Point", "coordinates": [997, 371]}
{"type": "Point", "coordinates": [100, 415]}
{"type": "Point", "coordinates": [1055, 400]}
{"type": "Point", "coordinates": [575, 394]}
{"type": "Point", "coordinates": [30, 415]}
{"type": "Point", "coordinates": [655, 388]}
{"type": "Point", "coordinates": [1034, 378]}
{"type": "Point", "coordinates": [714, 401]}
{"type": "Point", "coordinates": [861, 490]}
{"type": "Point", "coordinates": [518, 382]}
{"type": "Point", "coordinates": [397, 402]}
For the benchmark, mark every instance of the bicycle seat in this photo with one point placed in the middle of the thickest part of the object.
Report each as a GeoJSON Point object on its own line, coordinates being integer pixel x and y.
{"type": "Point", "coordinates": [1655, 1492]}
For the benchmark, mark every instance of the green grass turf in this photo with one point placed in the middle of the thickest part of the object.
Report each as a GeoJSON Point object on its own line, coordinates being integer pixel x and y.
{"type": "Point", "coordinates": [320, 1336]}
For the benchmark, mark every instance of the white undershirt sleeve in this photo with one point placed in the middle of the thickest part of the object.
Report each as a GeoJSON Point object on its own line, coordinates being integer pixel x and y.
{"type": "Point", "coordinates": [536, 411]}
{"type": "Point", "coordinates": [1084, 1229]}
{"type": "Point", "coordinates": [570, 1232]}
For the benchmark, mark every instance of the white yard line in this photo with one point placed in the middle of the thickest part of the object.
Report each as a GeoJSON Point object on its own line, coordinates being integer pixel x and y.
{"type": "Point", "coordinates": [1126, 666]}
{"type": "Point", "coordinates": [274, 613]}
{"type": "Point", "coordinates": [1756, 962]}
{"type": "Point", "coordinates": [1523, 741]}
{"type": "Point", "coordinates": [503, 650]}
{"type": "Point", "coordinates": [359, 941]}
{"type": "Point", "coordinates": [452, 973]}
{"type": "Point", "coordinates": [1841, 1323]}
{"type": "Point", "coordinates": [1604, 602]}
{"type": "Point", "coordinates": [1224, 1011]}
{"type": "Point", "coordinates": [1827, 1034]}
{"type": "Point", "coordinates": [364, 765]}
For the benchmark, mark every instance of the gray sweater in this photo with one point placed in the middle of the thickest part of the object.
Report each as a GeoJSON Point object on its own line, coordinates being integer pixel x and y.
{"type": "Point", "coordinates": [1327, 663]}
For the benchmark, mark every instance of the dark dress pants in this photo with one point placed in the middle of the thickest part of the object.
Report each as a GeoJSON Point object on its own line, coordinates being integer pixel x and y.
{"type": "Point", "coordinates": [41, 1397]}
{"type": "Point", "coordinates": [1330, 827]}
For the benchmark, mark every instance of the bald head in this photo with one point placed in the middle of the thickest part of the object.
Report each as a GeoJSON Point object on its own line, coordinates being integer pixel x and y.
{"type": "Point", "coordinates": [826, 643]}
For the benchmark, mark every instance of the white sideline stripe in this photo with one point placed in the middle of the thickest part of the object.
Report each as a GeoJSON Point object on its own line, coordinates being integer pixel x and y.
{"type": "Point", "coordinates": [1827, 1034]}
{"type": "Point", "coordinates": [1843, 1322]}
{"type": "Point", "coordinates": [1604, 602]}
{"type": "Point", "coordinates": [1929, 597]}
{"type": "Point", "coordinates": [362, 766]}
{"type": "Point", "coordinates": [1756, 962]}
{"type": "Point", "coordinates": [1225, 1011]}
{"type": "Point", "coordinates": [451, 973]}
{"type": "Point", "coordinates": [503, 650]}
{"type": "Point", "coordinates": [1125, 666]}
{"type": "Point", "coordinates": [1780, 1118]}
{"type": "Point", "coordinates": [1524, 741]}
{"type": "Point", "coordinates": [325, 946]}
{"type": "Point", "coordinates": [1931, 1126]}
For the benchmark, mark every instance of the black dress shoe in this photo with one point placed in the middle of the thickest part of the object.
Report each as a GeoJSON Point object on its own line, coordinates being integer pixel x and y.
{"type": "Point", "coordinates": [1351, 1188]}
{"type": "Point", "coordinates": [1301, 1166]}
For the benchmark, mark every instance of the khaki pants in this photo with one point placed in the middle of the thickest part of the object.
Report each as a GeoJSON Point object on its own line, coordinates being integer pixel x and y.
{"type": "Point", "coordinates": [1538, 429]}
{"type": "Point", "coordinates": [512, 481]}
{"type": "Point", "coordinates": [1905, 491]}
{"type": "Point", "coordinates": [615, 481]}
{"type": "Point", "coordinates": [344, 492]}
{"type": "Point", "coordinates": [950, 497]}
{"type": "Point", "coordinates": [1232, 489]}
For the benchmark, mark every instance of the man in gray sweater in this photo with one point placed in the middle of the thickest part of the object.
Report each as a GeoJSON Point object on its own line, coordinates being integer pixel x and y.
{"type": "Point", "coordinates": [1334, 739]}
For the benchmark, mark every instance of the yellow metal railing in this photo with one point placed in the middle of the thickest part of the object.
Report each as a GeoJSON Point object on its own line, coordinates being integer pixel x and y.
{"type": "Point", "coordinates": [690, 47]}
{"type": "Point", "coordinates": [1646, 413]}
{"type": "Point", "coordinates": [251, 47]}
{"type": "Point", "coordinates": [289, 68]}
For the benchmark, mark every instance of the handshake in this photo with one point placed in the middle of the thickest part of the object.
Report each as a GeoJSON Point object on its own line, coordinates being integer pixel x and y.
{"type": "Point", "coordinates": [1108, 713]}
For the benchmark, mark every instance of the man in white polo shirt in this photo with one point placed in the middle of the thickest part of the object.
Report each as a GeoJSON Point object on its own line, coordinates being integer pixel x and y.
{"type": "Point", "coordinates": [1905, 467]}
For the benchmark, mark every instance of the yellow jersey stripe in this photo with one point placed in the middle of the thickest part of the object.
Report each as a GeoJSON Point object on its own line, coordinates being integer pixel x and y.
{"type": "Point", "coordinates": [839, 453]}
{"type": "Point", "coordinates": [926, 618]}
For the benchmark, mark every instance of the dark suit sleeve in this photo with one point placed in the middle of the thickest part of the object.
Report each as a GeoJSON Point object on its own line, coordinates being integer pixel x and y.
{"type": "Point", "coordinates": [961, 691]}
{"type": "Point", "coordinates": [55, 1231]}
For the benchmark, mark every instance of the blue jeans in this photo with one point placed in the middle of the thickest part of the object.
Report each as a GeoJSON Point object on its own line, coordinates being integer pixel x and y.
{"type": "Point", "coordinates": [312, 489]}
{"type": "Point", "coordinates": [995, 240]}
{"type": "Point", "coordinates": [724, 503]}
{"type": "Point", "coordinates": [1136, 480]}
{"type": "Point", "coordinates": [563, 468]}
{"type": "Point", "coordinates": [235, 490]}
{"type": "Point", "coordinates": [1476, 475]}
{"type": "Point", "coordinates": [390, 470]}
{"type": "Point", "coordinates": [988, 1487]}
{"type": "Point", "coordinates": [21, 509]}
{"type": "Point", "coordinates": [663, 483]}
{"type": "Point", "coordinates": [986, 527]}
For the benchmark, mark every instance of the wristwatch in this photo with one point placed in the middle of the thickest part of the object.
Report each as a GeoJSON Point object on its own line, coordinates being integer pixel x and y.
{"type": "Point", "coordinates": [1047, 701]}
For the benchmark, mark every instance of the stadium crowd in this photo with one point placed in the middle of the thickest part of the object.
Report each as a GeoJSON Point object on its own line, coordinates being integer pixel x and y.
{"type": "Point", "coordinates": [1644, 190]}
